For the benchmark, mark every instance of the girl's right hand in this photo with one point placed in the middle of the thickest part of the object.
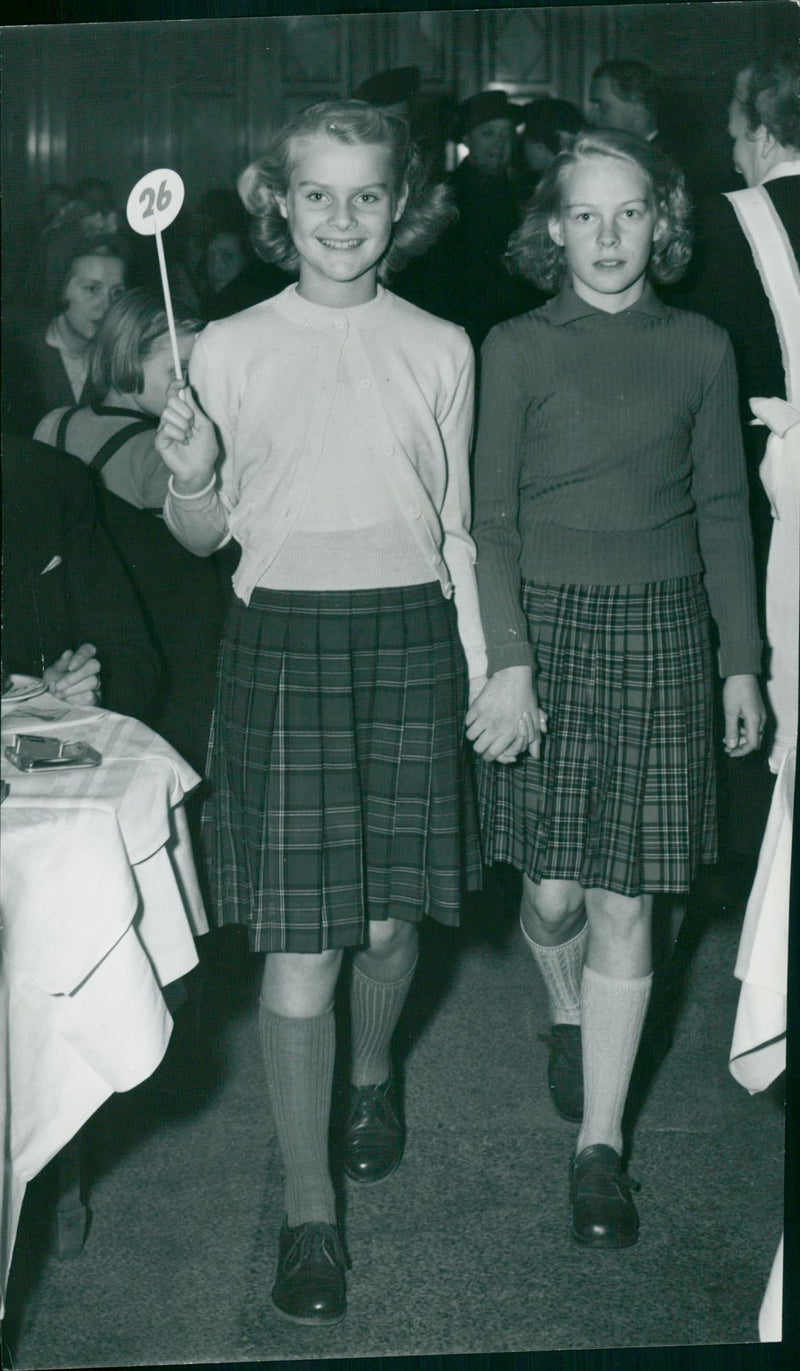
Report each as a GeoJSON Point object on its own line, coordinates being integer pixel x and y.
{"type": "Point", "coordinates": [505, 718]}
{"type": "Point", "coordinates": [186, 441]}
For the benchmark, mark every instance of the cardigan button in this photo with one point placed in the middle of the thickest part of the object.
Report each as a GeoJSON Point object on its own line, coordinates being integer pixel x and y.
{"type": "Point", "coordinates": [389, 451]}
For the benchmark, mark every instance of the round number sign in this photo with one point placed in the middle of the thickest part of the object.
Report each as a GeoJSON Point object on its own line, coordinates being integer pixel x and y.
{"type": "Point", "coordinates": [155, 201]}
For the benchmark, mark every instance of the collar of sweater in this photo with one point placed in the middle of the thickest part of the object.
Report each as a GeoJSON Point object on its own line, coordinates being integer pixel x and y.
{"type": "Point", "coordinates": [292, 306]}
{"type": "Point", "coordinates": [567, 306]}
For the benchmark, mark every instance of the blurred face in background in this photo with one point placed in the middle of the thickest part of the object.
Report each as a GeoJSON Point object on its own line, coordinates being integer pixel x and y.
{"type": "Point", "coordinates": [537, 155]}
{"type": "Point", "coordinates": [607, 109]}
{"type": "Point", "coordinates": [158, 371]}
{"type": "Point", "coordinates": [490, 146]}
{"type": "Point", "coordinates": [224, 260]}
{"type": "Point", "coordinates": [93, 283]}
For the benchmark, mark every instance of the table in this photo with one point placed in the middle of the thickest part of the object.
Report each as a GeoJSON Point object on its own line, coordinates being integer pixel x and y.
{"type": "Point", "coordinates": [100, 907]}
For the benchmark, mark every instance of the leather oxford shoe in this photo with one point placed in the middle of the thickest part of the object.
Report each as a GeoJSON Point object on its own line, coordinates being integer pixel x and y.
{"type": "Point", "coordinates": [310, 1281]}
{"type": "Point", "coordinates": [603, 1211]}
{"type": "Point", "coordinates": [565, 1070]}
{"type": "Point", "coordinates": [373, 1135]}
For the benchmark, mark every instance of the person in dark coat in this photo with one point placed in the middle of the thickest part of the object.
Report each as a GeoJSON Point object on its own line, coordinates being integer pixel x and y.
{"type": "Point", "coordinates": [464, 278]}
{"type": "Point", "coordinates": [548, 127]}
{"type": "Point", "coordinates": [46, 351]}
{"type": "Point", "coordinates": [392, 91]}
{"type": "Point", "coordinates": [64, 587]}
{"type": "Point", "coordinates": [482, 292]}
{"type": "Point", "coordinates": [764, 124]}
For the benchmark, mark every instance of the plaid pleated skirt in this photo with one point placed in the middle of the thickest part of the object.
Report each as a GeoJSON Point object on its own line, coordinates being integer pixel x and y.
{"type": "Point", "coordinates": [340, 790]}
{"type": "Point", "coordinates": [623, 797]}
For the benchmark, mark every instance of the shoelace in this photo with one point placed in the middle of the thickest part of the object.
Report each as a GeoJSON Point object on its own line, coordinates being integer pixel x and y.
{"type": "Point", "coordinates": [315, 1239]}
{"type": "Point", "coordinates": [372, 1106]}
{"type": "Point", "coordinates": [620, 1178]}
{"type": "Point", "coordinates": [571, 1054]}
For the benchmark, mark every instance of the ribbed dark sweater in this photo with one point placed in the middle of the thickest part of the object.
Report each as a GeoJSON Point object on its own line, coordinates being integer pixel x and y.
{"type": "Point", "coordinates": [609, 452]}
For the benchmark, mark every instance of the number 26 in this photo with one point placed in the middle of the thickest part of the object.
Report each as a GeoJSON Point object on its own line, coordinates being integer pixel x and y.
{"type": "Point", "coordinates": [155, 202]}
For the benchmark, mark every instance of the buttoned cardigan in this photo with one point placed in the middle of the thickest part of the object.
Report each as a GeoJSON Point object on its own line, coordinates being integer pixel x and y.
{"type": "Point", "coordinates": [267, 379]}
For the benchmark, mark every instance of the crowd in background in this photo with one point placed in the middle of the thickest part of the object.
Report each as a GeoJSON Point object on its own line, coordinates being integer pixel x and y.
{"type": "Point", "coordinates": [82, 261]}
{"type": "Point", "coordinates": [89, 372]}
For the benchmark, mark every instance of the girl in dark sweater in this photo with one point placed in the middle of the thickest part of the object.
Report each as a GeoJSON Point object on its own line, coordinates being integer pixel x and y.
{"type": "Point", "coordinates": [611, 514]}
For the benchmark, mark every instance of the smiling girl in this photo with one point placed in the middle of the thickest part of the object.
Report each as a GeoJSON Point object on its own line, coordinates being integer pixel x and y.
{"type": "Point", "coordinates": [611, 512]}
{"type": "Point", "coordinates": [340, 809]}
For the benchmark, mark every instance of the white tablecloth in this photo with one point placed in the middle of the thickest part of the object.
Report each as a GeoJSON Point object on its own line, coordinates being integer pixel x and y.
{"type": "Point", "coordinates": [100, 907]}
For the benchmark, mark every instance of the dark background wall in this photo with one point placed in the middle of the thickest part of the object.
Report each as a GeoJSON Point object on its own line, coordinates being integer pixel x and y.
{"type": "Point", "coordinates": [116, 100]}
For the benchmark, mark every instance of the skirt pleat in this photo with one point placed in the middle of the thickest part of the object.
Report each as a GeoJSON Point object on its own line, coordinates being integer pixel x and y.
{"type": "Point", "coordinates": [623, 797]}
{"type": "Point", "coordinates": [339, 783]}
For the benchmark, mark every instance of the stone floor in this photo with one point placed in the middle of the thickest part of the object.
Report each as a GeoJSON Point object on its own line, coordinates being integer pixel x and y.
{"type": "Point", "coordinates": [466, 1249]}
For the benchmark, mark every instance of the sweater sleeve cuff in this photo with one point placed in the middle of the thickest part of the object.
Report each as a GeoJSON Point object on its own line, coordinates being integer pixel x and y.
{"type": "Point", "coordinates": [514, 654]}
{"type": "Point", "coordinates": [740, 657]}
{"type": "Point", "coordinates": [196, 495]}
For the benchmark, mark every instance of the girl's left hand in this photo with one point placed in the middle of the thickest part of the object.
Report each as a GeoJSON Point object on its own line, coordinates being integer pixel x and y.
{"type": "Point", "coordinates": [745, 715]}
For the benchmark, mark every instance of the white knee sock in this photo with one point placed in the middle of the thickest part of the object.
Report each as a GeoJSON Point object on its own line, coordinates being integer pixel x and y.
{"type": "Point", "coordinates": [562, 968]}
{"type": "Point", "coordinates": [612, 1015]}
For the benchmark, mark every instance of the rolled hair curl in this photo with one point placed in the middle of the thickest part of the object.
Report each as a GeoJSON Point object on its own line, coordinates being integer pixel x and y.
{"type": "Point", "coordinates": [533, 254]}
{"type": "Point", "coordinates": [429, 210]}
{"type": "Point", "coordinates": [772, 97]}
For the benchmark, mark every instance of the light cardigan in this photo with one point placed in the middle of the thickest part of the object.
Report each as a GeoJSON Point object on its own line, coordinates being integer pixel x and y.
{"type": "Point", "coordinates": [267, 379]}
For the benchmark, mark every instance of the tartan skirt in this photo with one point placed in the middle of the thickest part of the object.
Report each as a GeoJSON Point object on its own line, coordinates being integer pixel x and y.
{"type": "Point", "coordinates": [339, 784]}
{"type": "Point", "coordinates": [623, 797]}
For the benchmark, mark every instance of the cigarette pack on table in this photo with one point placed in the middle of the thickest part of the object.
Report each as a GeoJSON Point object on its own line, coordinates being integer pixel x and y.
{"type": "Point", "coordinates": [29, 752]}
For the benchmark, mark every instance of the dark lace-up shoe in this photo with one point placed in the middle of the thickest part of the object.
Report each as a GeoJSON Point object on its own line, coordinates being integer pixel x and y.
{"type": "Point", "coordinates": [373, 1135]}
{"type": "Point", "coordinates": [310, 1281]}
{"type": "Point", "coordinates": [565, 1070]}
{"type": "Point", "coordinates": [603, 1212]}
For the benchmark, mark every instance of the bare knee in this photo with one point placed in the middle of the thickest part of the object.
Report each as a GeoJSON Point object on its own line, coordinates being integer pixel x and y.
{"type": "Point", "coordinates": [622, 916]}
{"type": "Point", "coordinates": [552, 911]}
{"type": "Point", "coordinates": [299, 984]}
{"type": "Point", "coordinates": [388, 941]}
{"type": "Point", "coordinates": [620, 942]}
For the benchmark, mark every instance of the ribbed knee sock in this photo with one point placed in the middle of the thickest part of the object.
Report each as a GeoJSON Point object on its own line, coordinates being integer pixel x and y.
{"type": "Point", "coordinates": [562, 968]}
{"type": "Point", "coordinates": [375, 1007]}
{"type": "Point", "coordinates": [612, 1015]}
{"type": "Point", "coordinates": [298, 1057]}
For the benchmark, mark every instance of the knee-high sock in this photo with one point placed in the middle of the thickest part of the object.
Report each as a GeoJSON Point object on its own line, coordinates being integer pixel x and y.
{"type": "Point", "coordinates": [562, 968]}
{"type": "Point", "coordinates": [375, 1007]}
{"type": "Point", "coordinates": [298, 1056]}
{"type": "Point", "coordinates": [612, 1015]}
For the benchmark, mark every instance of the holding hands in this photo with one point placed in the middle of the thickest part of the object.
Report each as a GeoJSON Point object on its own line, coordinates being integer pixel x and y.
{"type": "Point", "coordinates": [504, 718]}
{"type": "Point", "coordinates": [75, 676]}
{"type": "Point", "coordinates": [186, 441]}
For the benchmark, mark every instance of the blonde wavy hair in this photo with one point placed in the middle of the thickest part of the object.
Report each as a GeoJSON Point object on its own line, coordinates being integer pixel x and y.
{"type": "Point", "coordinates": [532, 252]}
{"type": "Point", "coordinates": [429, 209]}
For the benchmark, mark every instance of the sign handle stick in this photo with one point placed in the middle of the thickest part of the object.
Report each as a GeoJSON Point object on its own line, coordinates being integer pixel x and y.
{"type": "Point", "coordinates": [173, 337]}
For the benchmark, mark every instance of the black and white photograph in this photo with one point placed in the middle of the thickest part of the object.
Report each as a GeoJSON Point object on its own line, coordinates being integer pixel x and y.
{"type": "Point", "coordinates": [399, 960]}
